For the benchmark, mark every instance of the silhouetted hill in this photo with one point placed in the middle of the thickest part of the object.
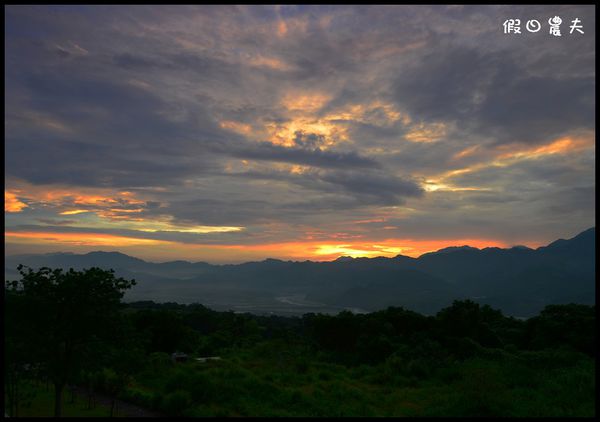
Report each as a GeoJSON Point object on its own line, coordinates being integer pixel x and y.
{"type": "Point", "coordinates": [518, 280]}
{"type": "Point", "coordinates": [579, 251]}
{"type": "Point", "coordinates": [452, 249]}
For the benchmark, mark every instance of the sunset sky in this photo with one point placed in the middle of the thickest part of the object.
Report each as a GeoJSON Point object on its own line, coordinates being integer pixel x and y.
{"type": "Point", "coordinates": [237, 133]}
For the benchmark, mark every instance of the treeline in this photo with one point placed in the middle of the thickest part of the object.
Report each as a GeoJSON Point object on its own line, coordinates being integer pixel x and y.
{"type": "Point", "coordinates": [62, 330]}
{"type": "Point", "coordinates": [364, 338]}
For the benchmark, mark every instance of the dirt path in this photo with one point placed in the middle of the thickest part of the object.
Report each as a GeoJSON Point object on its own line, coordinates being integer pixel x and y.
{"type": "Point", "coordinates": [122, 408]}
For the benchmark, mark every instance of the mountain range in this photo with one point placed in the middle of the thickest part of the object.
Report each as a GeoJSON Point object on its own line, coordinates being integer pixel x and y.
{"type": "Point", "coordinates": [520, 281]}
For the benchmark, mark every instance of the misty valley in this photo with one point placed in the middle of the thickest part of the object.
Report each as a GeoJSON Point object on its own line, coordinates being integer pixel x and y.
{"type": "Point", "coordinates": [519, 281]}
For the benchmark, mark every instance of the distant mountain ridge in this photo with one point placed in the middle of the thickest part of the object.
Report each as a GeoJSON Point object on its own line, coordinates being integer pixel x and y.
{"type": "Point", "coordinates": [518, 280]}
{"type": "Point", "coordinates": [453, 249]}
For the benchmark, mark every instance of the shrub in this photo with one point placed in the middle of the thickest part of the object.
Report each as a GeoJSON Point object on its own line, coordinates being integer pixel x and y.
{"type": "Point", "coordinates": [176, 403]}
{"type": "Point", "coordinates": [324, 376]}
{"type": "Point", "coordinates": [137, 396]}
{"type": "Point", "coordinates": [302, 365]}
{"type": "Point", "coordinates": [179, 380]}
{"type": "Point", "coordinates": [483, 392]}
{"type": "Point", "coordinates": [418, 368]}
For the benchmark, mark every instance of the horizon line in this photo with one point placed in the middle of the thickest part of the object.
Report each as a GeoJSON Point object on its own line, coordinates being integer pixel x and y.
{"type": "Point", "coordinates": [305, 260]}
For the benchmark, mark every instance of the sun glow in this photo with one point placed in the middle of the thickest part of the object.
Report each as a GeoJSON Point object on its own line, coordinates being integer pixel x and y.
{"type": "Point", "coordinates": [367, 251]}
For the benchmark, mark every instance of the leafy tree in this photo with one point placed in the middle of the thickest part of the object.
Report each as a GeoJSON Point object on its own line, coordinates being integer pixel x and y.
{"type": "Point", "coordinates": [336, 333]}
{"type": "Point", "coordinates": [467, 319]}
{"type": "Point", "coordinates": [64, 315]}
{"type": "Point", "coordinates": [17, 354]}
{"type": "Point", "coordinates": [570, 325]}
{"type": "Point", "coordinates": [164, 331]}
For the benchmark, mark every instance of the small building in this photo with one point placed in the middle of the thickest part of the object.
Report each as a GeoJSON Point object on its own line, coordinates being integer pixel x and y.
{"type": "Point", "coordinates": [207, 358]}
{"type": "Point", "coordinates": [179, 357]}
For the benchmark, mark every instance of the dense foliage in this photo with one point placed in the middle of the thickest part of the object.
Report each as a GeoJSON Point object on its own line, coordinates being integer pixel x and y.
{"type": "Point", "coordinates": [58, 324]}
{"type": "Point", "coordinates": [467, 360]}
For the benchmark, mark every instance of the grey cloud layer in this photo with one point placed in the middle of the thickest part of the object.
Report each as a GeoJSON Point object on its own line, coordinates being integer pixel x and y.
{"type": "Point", "coordinates": [491, 94]}
{"type": "Point", "coordinates": [133, 97]}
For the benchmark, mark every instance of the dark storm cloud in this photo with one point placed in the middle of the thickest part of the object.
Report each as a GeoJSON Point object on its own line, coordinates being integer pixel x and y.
{"type": "Point", "coordinates": [212, 211]}
{"type": "Point", "coordinates": [365, 187]}
{"type": "Point", "coordinates": [115, 134]}
{"type": "Point", "coordinates": [385, 189]}
{"type": "Point", "coordinates": [308, 140]}
{"type": "Point", "coordinates": [115, 113]}
{"type": "Point", "coordinates": [201, 66]}
{"type": "Point", "coordinates": [137, 62]}
{"type": "Point", "coordinates": [122, 135]}
{"type": "Point", "coordinates": [488, 92]}
{"type": "Point", "coordinates": [531, 175]}
{"type": "Point", "coordinates": [305, 156]}
{"type": "Point", "coordinates": [95, 165]}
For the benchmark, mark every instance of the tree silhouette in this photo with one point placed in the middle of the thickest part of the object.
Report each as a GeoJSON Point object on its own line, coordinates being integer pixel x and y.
{"type": "Point", "coordinates": [63, 316]}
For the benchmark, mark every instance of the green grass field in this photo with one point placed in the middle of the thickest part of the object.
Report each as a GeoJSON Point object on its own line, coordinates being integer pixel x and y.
{"type": "Point", "coordinates": [39, 402]}
{"type": "Point", "coordinates": [251, 384]}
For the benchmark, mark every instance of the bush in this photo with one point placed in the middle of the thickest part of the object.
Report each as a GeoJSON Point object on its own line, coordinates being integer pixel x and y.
{"type": "Point", "coordinates": [419, 368]}
{"type": "Point", "coordinates": [464, 347]}
{"type": "Point", "coordinates": [552, 358]}
{"type": "Point", "coordinates": [324, 376]}
{"type": "Point", "coordinates": [483, 392]}
{"type": "Point", "coordinates": [449, 374]}
{"type": "Point", "coordinates": [176, 403]}
{"type": "Point", "coordinates": [159, 361]}
{"type": "Point", "coordinates": [139, 397]}
{"type": "Point", "coordinates": [179, 380]}
{"type": "Point", "coordinates": [302, 365]}
{"type": "Point", "coordinates": [157, 401]}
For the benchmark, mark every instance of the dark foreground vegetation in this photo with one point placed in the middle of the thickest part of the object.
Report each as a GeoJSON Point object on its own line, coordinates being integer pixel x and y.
{"type": "Point", "coordinates": [70, 328]}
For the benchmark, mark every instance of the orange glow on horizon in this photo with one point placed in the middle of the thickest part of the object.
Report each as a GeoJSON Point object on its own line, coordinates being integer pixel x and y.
{"type": "Point", "coordinates": [311, 250]}
{"type": "Point", "coordinates": [327, 251]}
